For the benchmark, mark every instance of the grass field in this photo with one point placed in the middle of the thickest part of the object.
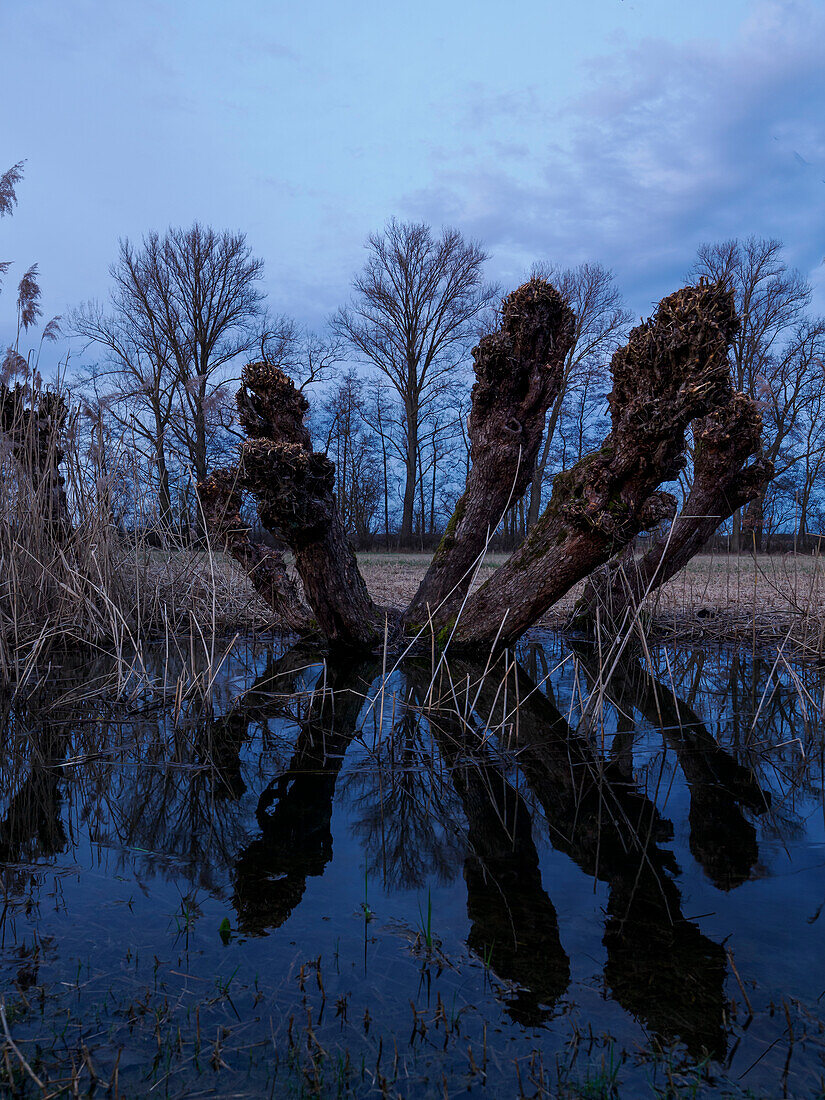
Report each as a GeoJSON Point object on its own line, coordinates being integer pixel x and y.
{"type": "Point", "coordinates": [722, 596]}
{"type": "Point", "coordinates": [764, 600]}
{"type": "Point", "coordinates": [729, 597]}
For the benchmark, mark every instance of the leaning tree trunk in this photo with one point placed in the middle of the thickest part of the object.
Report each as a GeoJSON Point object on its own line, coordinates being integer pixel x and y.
{"type": "Point", "coordinates": [722, 483]}
{"type": "Point", "coordinates": [673, 370]}
{"type": "Point", "coordinates": [519, 371]}
{"type": "Point", "coordinates": [293, 488]}
{"type": "Point", "coordinates": [221, 500]}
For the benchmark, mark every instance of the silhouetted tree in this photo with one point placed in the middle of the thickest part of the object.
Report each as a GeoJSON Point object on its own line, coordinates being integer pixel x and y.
{"type": "Point", "coordinates": [184, 306]}
{"type": "Point", "coordinates": [416, 306]}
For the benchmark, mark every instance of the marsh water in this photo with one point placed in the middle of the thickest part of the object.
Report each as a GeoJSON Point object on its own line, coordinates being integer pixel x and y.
{"type": "Point", "coordinates": [558, 874]}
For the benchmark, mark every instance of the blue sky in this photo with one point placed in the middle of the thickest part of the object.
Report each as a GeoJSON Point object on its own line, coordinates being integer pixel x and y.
{"type": "Point", "coordinates": [627, 131]}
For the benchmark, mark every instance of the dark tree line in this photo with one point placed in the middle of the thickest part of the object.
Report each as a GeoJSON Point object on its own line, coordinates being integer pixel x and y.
{"type": "Point", "coordinates": [390, 378]}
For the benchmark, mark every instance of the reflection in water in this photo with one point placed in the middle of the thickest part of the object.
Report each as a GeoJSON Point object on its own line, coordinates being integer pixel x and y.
{"type": "Point", "coordinates": [32, 827]}
{"type": "Point", "coordinates": [514, 925]}
{"type": "Point", "coordinates": [722, 840]}
{"type": "Point", "coordinates": [242, 804]}
{"type": "Point", "coordinates": [660, 967]}
{"type": "Point", "coordinates": [407, 814]}
{"type": "Point", "coordinates": [295, 809]}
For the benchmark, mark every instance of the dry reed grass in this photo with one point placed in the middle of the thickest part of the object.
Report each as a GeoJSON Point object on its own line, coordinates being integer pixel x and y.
{"type": "Point", "coordinates": [84, 580]}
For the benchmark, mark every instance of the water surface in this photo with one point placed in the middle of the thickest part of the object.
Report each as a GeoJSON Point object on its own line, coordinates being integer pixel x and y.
{"type": "Point", "coordinates": [350, 879]}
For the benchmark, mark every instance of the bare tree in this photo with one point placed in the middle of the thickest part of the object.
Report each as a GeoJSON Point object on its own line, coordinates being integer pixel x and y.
{"type": "Point", "coordinates": [189, 302]}
{"type": "Point", "coordinates": [137, 384]}
{"type": "Point", "coordinates": [790, 396]}
{"type": "Point", "coordinates": [416, 306]}
{"type": "Point", "coordinates": [378, 413]}
{"type": "Point", "coordinates": [601, 323]}
{"type": "Point", "coordinates": [201, 286]}
{"type": "Point", "coordinates": [811, 442]}
{"type": "Point", "coordinates": [350, 443]}
{"type": "Point", "coordinates": [770, 299]}
{"type": "Point", "coordinates": [442, 443]}
{"type": "Point", "coordinates": [183, 307]}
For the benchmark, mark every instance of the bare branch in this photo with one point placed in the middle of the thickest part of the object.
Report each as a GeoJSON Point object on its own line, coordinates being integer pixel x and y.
{"type": "Point", "coordinates": [416, 307]}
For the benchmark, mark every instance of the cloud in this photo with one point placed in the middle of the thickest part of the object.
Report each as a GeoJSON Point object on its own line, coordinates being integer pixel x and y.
{"type": "Point", "coordinates": [670, 145]}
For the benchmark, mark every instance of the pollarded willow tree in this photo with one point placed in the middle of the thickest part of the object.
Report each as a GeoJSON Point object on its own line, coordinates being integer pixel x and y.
{"type": "Point", "coordinates": [673, 373]}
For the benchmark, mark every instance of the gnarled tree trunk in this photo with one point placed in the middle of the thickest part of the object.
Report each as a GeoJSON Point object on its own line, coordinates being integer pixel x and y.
{"type": "Point", "coordinates": [221, 500]}
{"type": "Point", "coordinates": [722, 483]}
{"type": "Point", "coordinates": [673, 370]}
{"type": "Point", "coordinates": [293, 488]}
{"type": "Point", "coordinates": [519, 370]}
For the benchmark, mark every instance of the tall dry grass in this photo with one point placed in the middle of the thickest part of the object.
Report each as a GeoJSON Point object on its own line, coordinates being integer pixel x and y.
{"type": "Point", "coordinates": [84, 579]}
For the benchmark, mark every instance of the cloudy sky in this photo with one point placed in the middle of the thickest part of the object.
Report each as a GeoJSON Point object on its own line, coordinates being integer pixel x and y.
{"type": "Point", "coordinates": [626, 131]}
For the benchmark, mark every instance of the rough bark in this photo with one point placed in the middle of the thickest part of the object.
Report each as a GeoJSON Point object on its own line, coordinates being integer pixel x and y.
{"type": "Point", "coordinates": [673, 370]}
{"type": "Point", "coordinates": [293, 488]}
{"type": "Point", "coordinates": [33, 424]}
{"type": "Point", "coordinates": [221, 500]}
{"type": "Point", "coordinates": [519, 370]}
{"type": "Point", "coordinates": [724, 440]}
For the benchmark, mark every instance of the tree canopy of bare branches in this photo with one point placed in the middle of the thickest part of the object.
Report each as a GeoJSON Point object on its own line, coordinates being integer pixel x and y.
{"type": "Point", "coordinates": [416, 307]}
{"type": "Point", "coordinates": [183, 307]}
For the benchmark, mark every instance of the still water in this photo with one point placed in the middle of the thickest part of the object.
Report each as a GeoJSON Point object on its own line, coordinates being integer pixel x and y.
{"type": "Point", "coordinates": [317, 879]}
